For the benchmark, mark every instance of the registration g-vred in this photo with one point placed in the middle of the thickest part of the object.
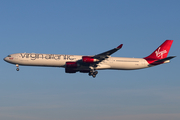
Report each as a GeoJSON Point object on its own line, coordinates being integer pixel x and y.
{"type": "Point", "coordinates": [90, 64]}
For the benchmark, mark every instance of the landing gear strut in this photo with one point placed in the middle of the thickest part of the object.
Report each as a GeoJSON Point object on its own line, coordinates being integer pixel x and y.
{"type": "Point", "coordinates": [17, 67]}
{"type": "Point", "coordinates": [93, 73]}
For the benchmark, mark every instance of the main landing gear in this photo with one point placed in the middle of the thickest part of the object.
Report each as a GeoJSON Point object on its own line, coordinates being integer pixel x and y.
{"type": "Point", "coordinates": [17, 67]}
{"type": "Point", "coordinates": [93, 73]}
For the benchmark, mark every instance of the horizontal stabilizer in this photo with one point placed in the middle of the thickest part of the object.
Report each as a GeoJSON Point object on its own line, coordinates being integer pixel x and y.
{"type": "Point", "coordinates": [162, 60]}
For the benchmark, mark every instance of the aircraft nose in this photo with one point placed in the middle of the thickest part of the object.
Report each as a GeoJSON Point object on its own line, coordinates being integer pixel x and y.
{"type": "Point", "coordinates": [5, 59]}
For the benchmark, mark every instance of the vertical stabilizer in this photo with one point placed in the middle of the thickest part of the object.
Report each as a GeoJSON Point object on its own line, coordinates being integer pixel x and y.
{"type": "Point", "coordinates": [161, 52]}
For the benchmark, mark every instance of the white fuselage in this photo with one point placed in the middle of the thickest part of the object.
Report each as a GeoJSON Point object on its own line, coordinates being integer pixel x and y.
{"type": "Point", "coordinates": [58, 60]}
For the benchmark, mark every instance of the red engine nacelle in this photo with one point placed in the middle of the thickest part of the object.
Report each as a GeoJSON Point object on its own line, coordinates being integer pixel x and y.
{"type": "Point", "coordinates": [89, 59]}
{"type": "Point", "coordinates": [71, 64]}
{"type": "Point", "coordinates": [71, 67]}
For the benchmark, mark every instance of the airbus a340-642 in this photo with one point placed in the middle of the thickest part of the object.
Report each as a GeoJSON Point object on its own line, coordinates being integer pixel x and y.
{"type": "Point", "coordinates": [90, 64]}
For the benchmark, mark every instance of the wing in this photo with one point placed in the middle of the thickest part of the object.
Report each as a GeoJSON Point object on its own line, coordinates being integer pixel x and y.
{"type": "Point", "coordinates": [106, 54]}
{"type": "Point", "coordinates": [94, 60]}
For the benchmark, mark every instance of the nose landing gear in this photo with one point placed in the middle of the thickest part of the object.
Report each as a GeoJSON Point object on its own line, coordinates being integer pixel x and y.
{"type": "Point", "coordinates": [17, 67]}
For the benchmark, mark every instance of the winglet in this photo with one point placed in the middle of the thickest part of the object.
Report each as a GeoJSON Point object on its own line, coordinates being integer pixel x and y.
{"type": "Point", "coordinates": [120, 46]}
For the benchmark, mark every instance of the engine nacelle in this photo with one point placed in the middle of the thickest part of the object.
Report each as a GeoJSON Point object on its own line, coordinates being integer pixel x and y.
{"type": "Point", "coordinates": [70, 70]}
{"type": "Point", "coordinates": [71, 64]}
{"type": "Point", "coordinates": [88, 59]}
{"type": "Point", "coordinates": [71, 67]}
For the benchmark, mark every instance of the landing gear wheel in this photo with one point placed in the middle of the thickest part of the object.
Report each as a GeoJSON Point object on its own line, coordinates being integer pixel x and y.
{"type": "Point", "coordinates": [90, 73]}
{"type": "Point", "coordinates": [96, 72]}
{"type": "Point", "coordinates": [17, 67]}
{"type": "Point", "coordinates": [94, 76]}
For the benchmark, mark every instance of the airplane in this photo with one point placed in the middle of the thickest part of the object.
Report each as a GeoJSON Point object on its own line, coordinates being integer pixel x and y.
{"type": "Point", "coordinates": [90, 64]}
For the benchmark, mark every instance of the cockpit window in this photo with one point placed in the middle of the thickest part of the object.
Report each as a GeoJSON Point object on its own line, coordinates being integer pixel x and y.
{"type": "Point", "coordinates": [9, 55]}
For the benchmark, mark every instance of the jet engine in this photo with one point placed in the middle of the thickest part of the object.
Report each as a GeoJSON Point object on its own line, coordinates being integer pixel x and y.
{"type": "Point", "coordinates": [71, 67]}
{"type": "Point", "coordinates": [88, 59]}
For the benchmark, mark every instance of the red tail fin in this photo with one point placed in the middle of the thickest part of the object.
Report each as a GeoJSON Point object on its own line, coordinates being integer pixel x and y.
{"type": "Point", "coordinates": [161, 52]}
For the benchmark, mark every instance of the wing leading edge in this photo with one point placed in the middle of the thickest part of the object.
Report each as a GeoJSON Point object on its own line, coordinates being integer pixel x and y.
{"type": "Point", "coordinates": [106, 54]}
